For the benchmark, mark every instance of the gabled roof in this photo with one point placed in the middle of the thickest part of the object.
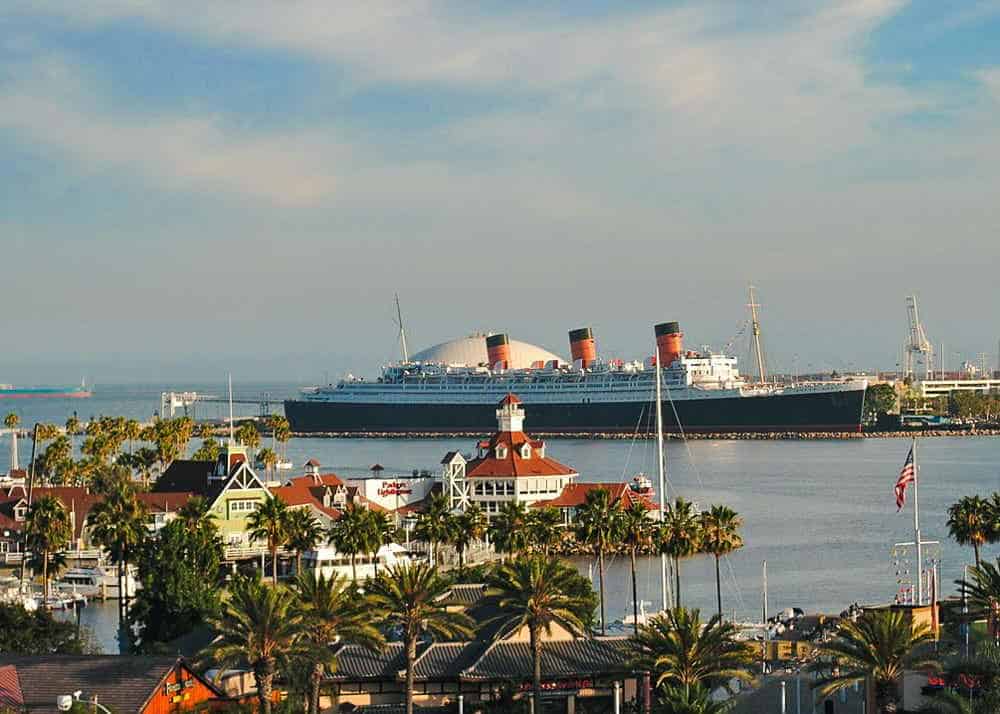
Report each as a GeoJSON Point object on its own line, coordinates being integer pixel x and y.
{"type": "Point", "coordinates": [315, 480]}
{"type": "Point", "coordinates": [445, 660]}
{"type": "Point", "coordinates": [505, 660]}
{"type": "Point", "coordinates": [512, 464]}
{"type": "Point", "coordinates": [124, 684]}
{"type": "Point", "coordinates": [355, 662]}
{"type": "Point", "coordinates": [302, 495]}
{"type": "Point", "coordinates": [574, 494]}
{"type": "Point", "coordinates": [186, 475]}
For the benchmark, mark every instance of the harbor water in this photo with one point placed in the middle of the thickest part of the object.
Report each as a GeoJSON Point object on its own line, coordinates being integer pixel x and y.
{"type": "Point", "coordinates": [822, 513]}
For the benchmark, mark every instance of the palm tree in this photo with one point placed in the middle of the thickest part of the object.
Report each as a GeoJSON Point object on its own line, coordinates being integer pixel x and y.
{"type": "Point", "coordinates": [691, 700]}
{"type": "Point", "coordinates": [248, 435]}
{"type": "Point", "coordinates": [11, 421]}
{"type": "Point", "coordinates": [72, 425]}
{"type": "Point", "coordinates": [637, 532]}
{"type": "Point", "coordinates": [508, 529]}
{"type": "Point", "coordinates": [349, 534]}
{"type": "Point", "coordinates": [468, 527]}
{"type": "Point", "coordinates": [876, 648]}
{"type": "Point", "coordinates": [379, 531]}
{"type": "Point", "coordinates": [47, 530]}
{"type": "Point", "coordinates": [972, 521]}
{"type": "Point", "coordinates": [333, 613]}
{"type": "Point", "coordinates": [270, 522]}
{"type": "Point", "coordinates": [983, 588]}
{"type": "Point", "coordinates": [411, 599]}
{"type": "Point", "coordinates": [598, 525]}
{"type": "Point", "coordinates": [720, 536]}
{"type": "Point", "coordinates": [536, 592]}
{"type": "Point", "coordinates": [269, 459]}
{"type": "Point", "coordinates": [679, 537]}
{"type": "Point", "coordinates": [260, 625]}
{"type": "Point", "coordinates": [118, 524]}
{"type": "Point", "coordinates": [304, 532]}
{"type": "Point", "coordinates": [684, 654]}
{"type": "Point", "coordinates": [196, 513]}
{"type": "Point", "coordinates": [434, 525]}
{"type": "Point", "coordinates": [545, 528]}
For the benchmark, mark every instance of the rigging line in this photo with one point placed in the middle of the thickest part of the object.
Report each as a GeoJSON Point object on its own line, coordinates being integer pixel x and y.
{"type": "Point", "coordinates": [701, 485]}
{"type": "Point", "coordinates": [631, 446]}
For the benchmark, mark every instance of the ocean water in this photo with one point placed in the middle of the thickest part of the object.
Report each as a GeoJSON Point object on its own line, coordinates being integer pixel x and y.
{"type": "Point", "coordinates": [822, 513]}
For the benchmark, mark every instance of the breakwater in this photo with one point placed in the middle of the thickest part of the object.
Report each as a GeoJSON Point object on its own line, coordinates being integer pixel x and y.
{"type": "Point", "coordinates": [722, 436]}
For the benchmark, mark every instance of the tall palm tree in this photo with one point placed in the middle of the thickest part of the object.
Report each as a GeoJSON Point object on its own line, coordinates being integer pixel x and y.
{"type": "Point", "coordinates": [270, 523]}
{"type": "Point", "coordinates": [269, 459]}
{"type": "Point", "coordinates": [679, 537]}
{"type": "Point", "coordinates": [118, 524]}
{"type": "Point", "coordinates": [304, 532]}
{"type": "Point", "coordinates": [637, 533]}
{"type": "Point", "coordinates": [349, 534]}
{"type": "Point", "coordinates": [11, 421]}
{"type": "Point", "coordinates": [260, 625]}
{"type": "Point", "coordinates": [379, 530]}
{"type": "Point", "coordinates": [691, 700]}
{"type": "Point", "coordinates": [47, 531]}
{"type": "Point", "coordinates": [876, 648]}
{"type": "Point", "coordinates": [411, 598]}
{"type": "Point", "coordinates": [982, 589]}
{"type": "Point", "coordinates": [196, 512]}
{"type": "Point", "coordinates": [508, 529]}
{"type": "Point", "coordinates": [720, 536]}
{"type": "Point", "coordinates": [72, 425]}
{"type": "Point", "coordinates": [598, 524]}
{"type": "Point", "coordinates": [545, 528]}
{"type": "Point", "coordinates": [468, 527]}
{"type": "Point", "coordinates": [972, 521]}
{"type": "Point", "coordinates": [536, 592]}
{"type": "Point", "coordinates": [685, 654]}
{"type": "Point", "coordinates": [332, 613]}
{"type": "Point", "coordinates": [434, 525]}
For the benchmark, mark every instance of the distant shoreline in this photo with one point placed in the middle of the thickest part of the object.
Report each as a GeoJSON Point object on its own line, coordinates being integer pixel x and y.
{"type": "Point", "coordinates": [722, 436]}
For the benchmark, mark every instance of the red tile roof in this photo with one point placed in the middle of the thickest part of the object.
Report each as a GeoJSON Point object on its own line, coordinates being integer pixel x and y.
{"type": "Point", "coordinates": [509, 400]}
{"type": "Point", "coordinates": [305, 495]}
{"type": "Point", "coordinates": [10, 688]}
{"type": "Point", "coordinates": [574, 494]}
{"type": "Point", "coordinates": [316, 480]}
{"type": "Point", "coordinates": [512, 464]}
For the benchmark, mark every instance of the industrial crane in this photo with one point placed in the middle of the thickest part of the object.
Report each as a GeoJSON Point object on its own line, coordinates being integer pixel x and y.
{"type": "Point", "coordinates": [917, 350]}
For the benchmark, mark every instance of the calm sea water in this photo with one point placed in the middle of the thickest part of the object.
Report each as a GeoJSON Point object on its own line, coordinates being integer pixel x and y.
{"type": "Point", "coordinates": [820, 512]}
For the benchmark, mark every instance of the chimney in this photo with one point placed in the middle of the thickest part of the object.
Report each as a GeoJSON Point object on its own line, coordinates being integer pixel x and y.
{"type": "Point", "coordinates": [669, 342]}
{"type": "Point", "coordinates": [582, 346]}
{"type": "Point", "coordinates": [498, 351]}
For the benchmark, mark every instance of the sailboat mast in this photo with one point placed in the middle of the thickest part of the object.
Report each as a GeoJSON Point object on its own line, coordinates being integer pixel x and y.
{"type": "Point", "coordinates": [758, 353]}
{"type": "Point", "coordinates": [661, 473]}
{"type": "Point", "coordinates": [402, 332]}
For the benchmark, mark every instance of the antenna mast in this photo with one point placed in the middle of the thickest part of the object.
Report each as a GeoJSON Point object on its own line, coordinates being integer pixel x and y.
{"type": "Point", "coordinates": [758, 353]}
{"type": "Point", "coordinates": [402, 332]}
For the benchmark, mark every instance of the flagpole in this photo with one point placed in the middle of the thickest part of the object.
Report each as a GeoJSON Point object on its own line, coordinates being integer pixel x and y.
{"type": "Point", "coordinates": [916, 526]}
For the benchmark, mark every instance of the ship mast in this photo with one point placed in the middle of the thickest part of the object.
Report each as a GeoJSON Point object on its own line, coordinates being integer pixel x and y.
{"type": "Point", "coordinates": [402, 332]}
{"type": "Point", "coordinates": [758, 353]}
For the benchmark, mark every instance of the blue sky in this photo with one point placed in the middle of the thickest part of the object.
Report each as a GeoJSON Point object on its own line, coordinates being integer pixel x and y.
{"type": "Point", "coordinates": [188, 189]}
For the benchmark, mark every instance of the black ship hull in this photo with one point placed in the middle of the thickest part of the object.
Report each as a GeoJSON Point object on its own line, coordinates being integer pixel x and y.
{"type": "Point", "coordinates": [834, 411]}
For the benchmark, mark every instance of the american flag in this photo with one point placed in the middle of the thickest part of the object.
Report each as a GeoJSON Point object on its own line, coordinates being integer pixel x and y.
{"type": "Point", "coordinates": [906, 477]}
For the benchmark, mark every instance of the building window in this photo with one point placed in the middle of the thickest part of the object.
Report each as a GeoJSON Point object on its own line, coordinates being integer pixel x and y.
{"type": "Point", "coordinates": [501, 452]}
{"type": "Point", "coordinates": [509, 490]}
{"type": "Point", "coordinates": [477, 489]}
{"type": "Point", "coordinates": [20, 513]}
{"type": "Point", "coordinates": [244, 506]}
{"type": "Point", "coordinates": [526, 452]}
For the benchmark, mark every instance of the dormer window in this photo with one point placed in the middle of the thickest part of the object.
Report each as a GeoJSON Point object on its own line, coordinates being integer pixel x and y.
{"type": "Point", "coordinates": [20, 512]}
{"type": "Point", "coordinates": [526, 451]}
{"type": "Point", "coordinates": [501, 452]}
{"type": "Point", "coordinates": [541, 451]}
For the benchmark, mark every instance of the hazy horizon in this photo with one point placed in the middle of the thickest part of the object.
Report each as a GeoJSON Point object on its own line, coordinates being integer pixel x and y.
{"type": "Point", "coordinates": [191, 191]}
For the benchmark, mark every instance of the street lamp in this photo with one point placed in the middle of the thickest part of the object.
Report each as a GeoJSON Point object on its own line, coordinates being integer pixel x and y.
{"type": "Point", "coordinates": [65, 702]}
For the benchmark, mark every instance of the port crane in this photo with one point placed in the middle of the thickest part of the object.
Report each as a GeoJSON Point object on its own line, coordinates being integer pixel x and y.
{"type": "Point", "coordinates": [918, 353]}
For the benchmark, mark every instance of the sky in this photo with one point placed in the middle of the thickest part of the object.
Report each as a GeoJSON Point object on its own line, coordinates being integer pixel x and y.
{"type": "Point", "coordinates": [191, 188]}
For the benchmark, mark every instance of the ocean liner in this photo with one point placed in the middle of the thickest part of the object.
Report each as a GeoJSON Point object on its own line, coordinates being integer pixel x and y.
{"type": "Point", "coordinates": [702, 392]}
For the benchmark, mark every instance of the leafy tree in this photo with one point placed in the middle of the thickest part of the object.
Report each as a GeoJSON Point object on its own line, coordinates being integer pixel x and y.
{"type": "Point", "coordinates": [876, 648]}
{"type": "Point", "coordinates": [679, 537]}
{"type": "Point", "coordinates": [270, 523]}
{"type": "Point", "coordinates": [349, 535]}
{"type": "Point", "coordinates": [72, 425]}
{"type": "Point", "coordinates": [434, 525]}
{"type": "Point", "coordinates": [118, 524]}
{"type": "Point", "coordinates": [304, 532]}
{"type": "Point", "coordinates": [332, 612]}
{"type": "Point", "coordinates": [545, 528]}
{"type": "Point", "coordinates": [469, 526]}
{"type": "Point", "coordinates": [410, 599]}
{"type": "Point", "coordinates": [683, 653]}
{"type": "Point", "coordinates": [208, 451]}
{"type": "Point", "coordinates": [637, 533]}
{"type": "Point", "coordinates": [598, 524]}
{"type": "Point", "coordinates": [35, 633]}
{"type": "Point", "coordinates": [179, 571]}
{"type": "Point", "coordinates": [880, 399]}
{"type": "Point", "coordinates": [972, 521]}
{"type": "Point", "coordinates": [536, 592]}
{"type": "Point", "coordinates": [508, 528]}
{"type": "Point", "coordinates": [973, 684]}
{"type": "Point", "coordinates": [720, 536]}
{"type": "Point", "coordinates": [47, 530]}
{"type": "Point", "coordinates": [260, 625]}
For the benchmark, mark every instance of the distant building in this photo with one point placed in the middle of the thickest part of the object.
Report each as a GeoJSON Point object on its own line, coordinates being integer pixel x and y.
{"type": "Point", "coordinates": [930, 388]}
{"type": "Point", "coordinates": [509, 466]}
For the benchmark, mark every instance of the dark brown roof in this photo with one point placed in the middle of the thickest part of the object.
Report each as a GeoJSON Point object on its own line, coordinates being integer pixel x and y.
{"type": "Point", "coordinates": [355, 662]}
{"type": "Point", "coordinates": [592, 656]}
{"type": "Point", "coordinates": [122, 683]}
{"type": "Point", "coordinates": [465, 593]}
{"type": "Point", "coordinates": [186, 475]}
{"type": "Point", "coordinates": [445, 660]}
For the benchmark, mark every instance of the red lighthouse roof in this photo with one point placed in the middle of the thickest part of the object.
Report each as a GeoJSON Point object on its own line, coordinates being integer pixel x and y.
{"type": "Point", "coordinates": [509, 400]}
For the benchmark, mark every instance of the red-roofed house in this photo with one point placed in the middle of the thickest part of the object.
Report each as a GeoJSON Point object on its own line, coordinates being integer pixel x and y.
{"type": "Point", "coordinates": [509, 466]}
{"type": "Point", "coordinates": [574, 495]}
